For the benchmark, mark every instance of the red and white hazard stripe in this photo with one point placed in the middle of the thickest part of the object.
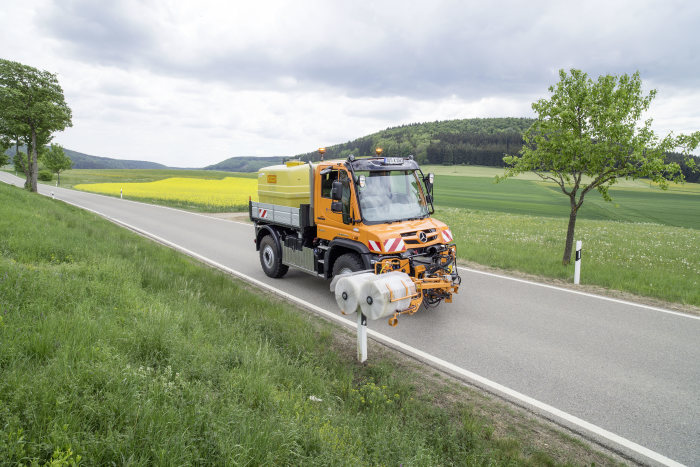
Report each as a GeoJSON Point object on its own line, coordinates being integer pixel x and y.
{"type": "Point", "coordinates": [447, 235]}
{"type": "Point", "coordinates": [393, 245]}
{"type": "Point", "coordinates": [374, 246]}
{"type": "Point", "coordinates": [262, 213]}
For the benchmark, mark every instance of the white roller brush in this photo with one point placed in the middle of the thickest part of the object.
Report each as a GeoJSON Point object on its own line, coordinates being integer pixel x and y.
{"type": "Point", "coordinates": [348, 290]}
{"type": "Point", "coordinates": [376, 295]}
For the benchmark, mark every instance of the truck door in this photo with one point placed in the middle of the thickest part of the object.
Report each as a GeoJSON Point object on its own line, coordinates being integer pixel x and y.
{"type": "Point", "coordinates": [330, 224]}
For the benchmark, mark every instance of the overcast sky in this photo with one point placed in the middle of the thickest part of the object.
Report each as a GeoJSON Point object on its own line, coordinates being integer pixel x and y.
{"type": "Point", "coordinates": [189, 84]}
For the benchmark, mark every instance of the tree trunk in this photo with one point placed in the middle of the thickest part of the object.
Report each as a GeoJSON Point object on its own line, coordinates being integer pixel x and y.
{"type": "Point", "coordinates": [34, 164]}
{"type": "Point", "coordinates": [570, 237]}
{"type": "Point", "coordinates": [28, 166]}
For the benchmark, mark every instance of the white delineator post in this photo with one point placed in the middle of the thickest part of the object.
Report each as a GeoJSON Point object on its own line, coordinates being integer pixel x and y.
{"type": "Point", "coordinates": [361, 337]}
{"type": "Point", "coordinates": [121, 193]}
{"type": "Point", "coordinates": [577, 266]}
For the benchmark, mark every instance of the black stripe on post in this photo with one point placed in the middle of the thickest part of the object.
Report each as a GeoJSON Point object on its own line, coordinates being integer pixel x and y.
{"type": "Point", "coordinates": [578, 255]}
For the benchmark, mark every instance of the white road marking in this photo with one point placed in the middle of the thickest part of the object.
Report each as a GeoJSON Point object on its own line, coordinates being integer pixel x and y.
{"type": "Point", "coordinates": [438, 362]}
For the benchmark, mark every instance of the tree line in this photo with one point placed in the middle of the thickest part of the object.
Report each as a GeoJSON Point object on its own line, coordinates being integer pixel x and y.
{"type": "Point", "coordinates": [483, 139]}
{"type": "Point", "coordinates": [476, 141]}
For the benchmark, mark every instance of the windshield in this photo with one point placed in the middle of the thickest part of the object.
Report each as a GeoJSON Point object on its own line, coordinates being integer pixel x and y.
{"type": "Point", "coordinates": [391, 196]}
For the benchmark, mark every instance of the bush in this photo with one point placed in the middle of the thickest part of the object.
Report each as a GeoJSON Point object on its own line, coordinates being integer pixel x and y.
{"type": "Point", "coordinates": [45, 175]}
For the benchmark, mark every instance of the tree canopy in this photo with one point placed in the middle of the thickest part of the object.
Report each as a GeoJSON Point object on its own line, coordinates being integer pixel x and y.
{"type": "Point", "coordinates": [32, 108]}
{"type": "Point", "coordinates": [55, 159]}
{"type": "Point", "coordinates": [589, 134]}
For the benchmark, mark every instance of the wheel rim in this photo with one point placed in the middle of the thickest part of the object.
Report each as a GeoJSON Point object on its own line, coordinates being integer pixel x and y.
{"type": "Point", "coordinates": [268, 256]}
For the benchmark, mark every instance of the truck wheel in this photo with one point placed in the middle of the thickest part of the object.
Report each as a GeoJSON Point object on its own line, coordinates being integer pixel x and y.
{"type": "Point", "coordinates": [349, 262]}
{"type": "Point", "coordinates": [270, 258]}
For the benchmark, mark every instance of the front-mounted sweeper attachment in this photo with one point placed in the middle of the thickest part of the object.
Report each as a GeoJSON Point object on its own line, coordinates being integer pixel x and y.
{"type": "Point", "coordinates": [390, 291]}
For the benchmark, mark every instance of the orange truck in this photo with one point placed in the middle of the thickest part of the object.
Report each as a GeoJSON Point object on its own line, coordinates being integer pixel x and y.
{"type": "Point", "coordinates": [343, 216]}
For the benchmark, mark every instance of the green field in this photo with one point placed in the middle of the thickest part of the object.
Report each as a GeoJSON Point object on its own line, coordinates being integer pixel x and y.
{"type": "Point", "coordinates": [118, 351]}
{"type": "Point", "coordinates": [474, 188]}
{"type": "Point", "coordinates": [646, 259]}
{"type": "Point", "coordinates": [678, 206]}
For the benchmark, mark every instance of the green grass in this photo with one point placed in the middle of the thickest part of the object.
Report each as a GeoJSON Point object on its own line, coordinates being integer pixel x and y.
{"type": "Point", "coordinates": [116, 350]}
{"type": "Point", "coordinates": [642, 258]}
{"type": "Point", "coordinates": [679, 206]}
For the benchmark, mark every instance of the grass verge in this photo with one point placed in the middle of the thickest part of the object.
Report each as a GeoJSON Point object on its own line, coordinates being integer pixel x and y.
{"type": "Point", "coordinates": [116, 350]}
{"type": "Point", "coordinates": [641, 258]}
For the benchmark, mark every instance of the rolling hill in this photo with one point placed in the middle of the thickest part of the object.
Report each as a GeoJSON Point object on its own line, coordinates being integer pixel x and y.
{"type": "Point", "coordinates": [474, 141]}
{"type": "Point", "coordinates": [244, 164]}
{"type": "Point", "coordinates": [86, 161]}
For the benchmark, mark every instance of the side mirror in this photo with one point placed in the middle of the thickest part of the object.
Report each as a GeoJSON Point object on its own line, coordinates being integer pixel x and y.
{"type": "Point", "coordinates": [336, 206]}
{"type": "Point", "coordinates": [428, 180]}
{"type": "Point", "coordinates": [337, 191]}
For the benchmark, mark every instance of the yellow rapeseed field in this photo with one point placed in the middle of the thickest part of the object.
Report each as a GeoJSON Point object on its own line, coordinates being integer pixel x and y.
{"type": "Point", "coordinates": [230, 191]}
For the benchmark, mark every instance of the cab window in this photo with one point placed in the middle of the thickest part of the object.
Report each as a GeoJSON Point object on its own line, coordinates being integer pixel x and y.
{"type": "Point", "coordinates": [327, 183]}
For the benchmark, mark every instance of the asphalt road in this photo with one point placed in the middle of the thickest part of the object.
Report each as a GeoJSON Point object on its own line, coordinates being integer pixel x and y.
{"type": "Point", "coordinates": [631, 370]}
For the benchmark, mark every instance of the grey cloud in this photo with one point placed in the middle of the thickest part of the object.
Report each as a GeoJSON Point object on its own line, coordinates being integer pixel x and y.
{"type": "Point", "coordinates": [98, 32]}
{"type": "Point", "coordinates": [470, 52]}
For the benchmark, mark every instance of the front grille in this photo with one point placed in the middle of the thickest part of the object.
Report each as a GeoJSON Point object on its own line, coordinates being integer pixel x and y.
{"type": "Point", "coordinates": [411, 238]}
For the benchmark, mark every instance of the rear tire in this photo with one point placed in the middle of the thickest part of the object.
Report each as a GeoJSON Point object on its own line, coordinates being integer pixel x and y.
{"type": "Point", "coordinates": [271, 259]}
{"type": "Point", "coordinates": [349, 262]}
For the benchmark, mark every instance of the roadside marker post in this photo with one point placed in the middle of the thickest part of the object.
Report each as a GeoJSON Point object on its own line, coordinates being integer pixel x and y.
{"type": "Point", "coordinates": [361, 337]}
{"type": "Point", "coordinates": [121, 193]}
{"type": "Point", "coordinates": [577, 266]}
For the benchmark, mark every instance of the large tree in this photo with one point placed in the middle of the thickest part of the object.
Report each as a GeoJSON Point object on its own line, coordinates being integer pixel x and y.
{"type": "Point", "coordinates": [55, 159]}
{"type": "Point", "coordinates": [32, 107]}
{"type": "Point", "coordinates": [589, 134]}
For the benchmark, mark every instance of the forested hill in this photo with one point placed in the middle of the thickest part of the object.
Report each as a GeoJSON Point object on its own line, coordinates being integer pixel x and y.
{"type": "Point", "coordinates": [86, 161]}
{"type": "Point", "coordinates": [244, 164]}
{"type": "Point", "coordinates": [474, 141]}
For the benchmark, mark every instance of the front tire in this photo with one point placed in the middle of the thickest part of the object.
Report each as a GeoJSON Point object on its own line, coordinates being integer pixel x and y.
{"type": "Point", "coordinates": [271, 259]}
{"type": "Point", "coordinates": [349, 262]}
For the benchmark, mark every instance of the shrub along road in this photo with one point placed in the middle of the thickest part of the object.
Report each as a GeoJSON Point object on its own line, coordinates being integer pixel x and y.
{"type": "Point", "coordinates": [630, 370]}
